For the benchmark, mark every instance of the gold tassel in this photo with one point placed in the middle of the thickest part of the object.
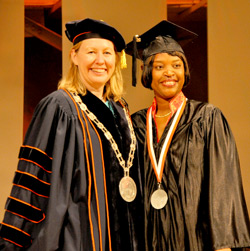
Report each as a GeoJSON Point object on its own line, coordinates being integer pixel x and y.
{"type": "Point", "coordinates": [123, 60]}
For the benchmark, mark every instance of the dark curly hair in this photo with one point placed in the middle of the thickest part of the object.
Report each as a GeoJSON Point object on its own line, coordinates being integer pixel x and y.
{"type": "Point", "coordinates": [146, 77]}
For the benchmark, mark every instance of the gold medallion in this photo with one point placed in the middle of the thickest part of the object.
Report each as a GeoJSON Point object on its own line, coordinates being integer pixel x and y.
{"type": "Point", "coordinates": [127, 188]}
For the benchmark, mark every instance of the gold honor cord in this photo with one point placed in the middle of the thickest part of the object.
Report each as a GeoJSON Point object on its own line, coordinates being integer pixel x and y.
{"type": "Point", "coordinates": [127, 186]}
{"type": "Point", "coordinates": [159, 197]}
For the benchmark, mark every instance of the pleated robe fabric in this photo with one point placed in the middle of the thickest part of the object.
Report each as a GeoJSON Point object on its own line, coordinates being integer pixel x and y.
{"type": "Point", "coordinates": [65, 191]}
{"type": "Point", "coordinates": [206, 209]}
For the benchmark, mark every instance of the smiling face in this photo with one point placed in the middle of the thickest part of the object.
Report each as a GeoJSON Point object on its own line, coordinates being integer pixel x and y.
{"type": "Point", "coordinates": [96, 62]}
{"type": "Point", "coordinates": [168, 76]}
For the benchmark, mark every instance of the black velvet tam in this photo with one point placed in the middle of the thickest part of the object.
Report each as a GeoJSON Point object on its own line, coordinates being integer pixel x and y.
{"type": "Point", "coordinates": [79, 30]}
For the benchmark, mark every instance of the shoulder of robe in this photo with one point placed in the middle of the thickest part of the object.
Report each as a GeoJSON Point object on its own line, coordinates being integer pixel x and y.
{"type": "Point", "coordinates": [59, 99]}
{"type": "Point", "coordinates": [124, 102]}
{"type": "Point", "coordinates": [139, 118]}
{"type": "Point", "coordinates": [140, 113]}
{"type": "Point", "coordinates": [202, 109]}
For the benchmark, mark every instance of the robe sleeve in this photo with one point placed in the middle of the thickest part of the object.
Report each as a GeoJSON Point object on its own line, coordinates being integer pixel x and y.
{"type": "Point", "coordinates": [38, 201]}
{"type": "Point", "coordinates": [229, 220]}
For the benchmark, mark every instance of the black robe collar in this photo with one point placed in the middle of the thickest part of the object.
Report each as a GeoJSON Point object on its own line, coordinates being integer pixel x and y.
{"type": "Point", "coordinates": [116, 124]}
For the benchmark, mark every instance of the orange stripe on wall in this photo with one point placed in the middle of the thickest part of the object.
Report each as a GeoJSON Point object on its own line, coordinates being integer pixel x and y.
{"type": "Point", "coordinates": [40, 2]}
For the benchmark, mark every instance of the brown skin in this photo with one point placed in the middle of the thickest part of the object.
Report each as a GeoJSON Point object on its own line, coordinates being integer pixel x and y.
{"type": "Point", "coordinates": [161, 122]}
{"type": "Point", "coordinates": [168, 77]}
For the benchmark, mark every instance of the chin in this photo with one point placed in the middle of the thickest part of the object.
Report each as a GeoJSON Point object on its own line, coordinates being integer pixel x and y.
{"type": "Point", "coordinates": [101, 81]}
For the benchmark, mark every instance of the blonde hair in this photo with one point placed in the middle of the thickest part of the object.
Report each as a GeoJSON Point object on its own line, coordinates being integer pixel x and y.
{"type": "Point", "coordinates": [113, 88]}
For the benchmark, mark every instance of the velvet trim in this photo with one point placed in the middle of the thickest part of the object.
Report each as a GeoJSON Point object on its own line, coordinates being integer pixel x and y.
{"type": "Point", "coordinates": [15, 235]}
{"type": "Point", "coordinates": [117, 124]}
{"type": "Point", "coordinates": [37, 156]}
{"type": "Point", "coordinates": [32, 183]}
{"type": "Point", "coordinates": [25, 210]}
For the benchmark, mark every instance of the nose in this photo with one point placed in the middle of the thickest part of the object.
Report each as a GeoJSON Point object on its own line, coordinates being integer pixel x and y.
{"type": "Point", "coordinates": [99, 58]}
{"type": "Point", "coordinates": [168, 72]}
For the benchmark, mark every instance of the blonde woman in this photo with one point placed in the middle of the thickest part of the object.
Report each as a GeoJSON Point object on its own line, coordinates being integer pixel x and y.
{"type": "Point", "coordinates": [76, 187]}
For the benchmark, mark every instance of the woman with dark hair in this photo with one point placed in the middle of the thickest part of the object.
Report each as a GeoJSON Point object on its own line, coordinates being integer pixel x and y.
{"type": "Point", "coordinates": [75, 186]}
{"type": "Point", "coordinates": [192, 183]}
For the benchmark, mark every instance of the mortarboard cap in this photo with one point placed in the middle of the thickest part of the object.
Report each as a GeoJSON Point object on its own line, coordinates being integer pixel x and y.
{"type": "Point", "coordinates": [79, 30]}
{"type": "Point", "coordinates": [163, 37]}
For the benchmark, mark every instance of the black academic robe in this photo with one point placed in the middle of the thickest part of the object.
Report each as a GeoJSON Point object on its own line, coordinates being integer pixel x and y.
{"type": "Point", "coordinates": [65, 192]}
{"type": "Point", "coordinates": [206, 209]}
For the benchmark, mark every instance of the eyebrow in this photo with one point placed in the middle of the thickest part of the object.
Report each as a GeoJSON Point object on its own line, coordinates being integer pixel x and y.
{"type": "Point", "coordinates": [160, 61]}
{"type": "Point", "coordinates": [93, 48]}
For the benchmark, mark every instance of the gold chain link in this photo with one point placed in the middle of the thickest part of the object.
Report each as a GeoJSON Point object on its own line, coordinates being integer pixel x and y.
{"type": "Point", "coordinates": [109, 136]}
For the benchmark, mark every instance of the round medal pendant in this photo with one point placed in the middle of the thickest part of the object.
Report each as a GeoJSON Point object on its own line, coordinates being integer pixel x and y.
{"type": "Point", "coordinates": [127, 188]}
{"type": "Point", "coordinates": [159, 199]}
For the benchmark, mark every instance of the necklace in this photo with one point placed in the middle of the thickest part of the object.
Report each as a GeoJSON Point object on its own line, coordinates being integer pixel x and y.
{"type": "Point", "coordinates": [162, 116]}
{"type": "Point", "coordinates": [127, 186]}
